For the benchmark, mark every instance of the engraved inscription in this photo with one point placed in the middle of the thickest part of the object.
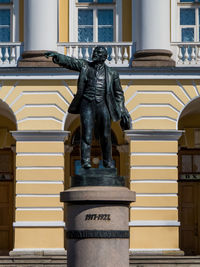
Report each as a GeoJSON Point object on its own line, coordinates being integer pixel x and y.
{"type": "Point", "coordinates": [96, 234]}
{"type": "Point", "coordinates": [97, 217]}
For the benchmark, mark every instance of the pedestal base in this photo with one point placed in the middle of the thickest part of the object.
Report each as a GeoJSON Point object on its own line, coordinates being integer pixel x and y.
{"type": "Point", "coordinates": [153, 58]}
{"type": "Point", "coordinates": [97, 224]}
{"type": "Point", "coordinates": [36, 59]}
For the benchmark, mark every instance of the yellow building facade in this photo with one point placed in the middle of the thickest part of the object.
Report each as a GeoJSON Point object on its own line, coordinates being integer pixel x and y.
{"type": "Point", "coordinates": [39, 139]}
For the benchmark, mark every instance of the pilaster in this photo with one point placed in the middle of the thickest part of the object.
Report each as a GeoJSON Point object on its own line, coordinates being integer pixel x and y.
{"type": "Point", "coordinates": [154, 224]}
{"type": "Point", "coordinates": [39, 214]}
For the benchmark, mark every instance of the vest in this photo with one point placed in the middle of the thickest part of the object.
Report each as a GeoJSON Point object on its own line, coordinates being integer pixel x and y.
{"type": "Point", "coordinates": [96, 84]}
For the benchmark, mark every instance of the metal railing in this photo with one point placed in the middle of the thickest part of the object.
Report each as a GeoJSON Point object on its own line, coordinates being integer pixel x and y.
{"type": "Point", "coordinates": [119, 54]}
{"type": "Point", "coordinates": [9, 54]}
{"type": "Point", "coordinates": [186, 54]}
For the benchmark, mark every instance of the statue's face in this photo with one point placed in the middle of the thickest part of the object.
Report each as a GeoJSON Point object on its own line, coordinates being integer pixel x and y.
{"type": "Point", "coordinates": [99, 55]}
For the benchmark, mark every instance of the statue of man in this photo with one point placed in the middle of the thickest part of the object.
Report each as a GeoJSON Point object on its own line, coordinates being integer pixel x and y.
{"type": "Point", "coordinates": [99, 100]}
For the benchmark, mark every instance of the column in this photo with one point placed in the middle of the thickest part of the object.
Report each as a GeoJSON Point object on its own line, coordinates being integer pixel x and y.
{"type": "Point", "coordinates": [40, 32]}
{"type": "Point", "coordinates": [39, 214]}
{"type": "Point", "coordinates": [154, 225]}
{"type": "Point", "coordinates": [151, 32]}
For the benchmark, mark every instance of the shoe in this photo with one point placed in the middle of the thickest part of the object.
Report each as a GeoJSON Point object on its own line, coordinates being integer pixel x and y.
{"type": "Point", "coordinates": [86, 165]}
{"type": "Point", "coordinates": [108, 164]}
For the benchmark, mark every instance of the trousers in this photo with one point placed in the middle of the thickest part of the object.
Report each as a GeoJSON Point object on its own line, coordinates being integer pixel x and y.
{"type": "Point", "coordinates": [94, 114]}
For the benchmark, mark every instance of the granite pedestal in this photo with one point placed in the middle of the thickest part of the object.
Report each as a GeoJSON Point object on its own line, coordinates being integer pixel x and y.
{"type": "Point", "coordinates": [97, 219]}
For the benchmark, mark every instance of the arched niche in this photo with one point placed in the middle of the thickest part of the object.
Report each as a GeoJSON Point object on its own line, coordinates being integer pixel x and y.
{"type": "Point", "coordinates": [189, 178]}
{"type": "Point", "coordinates": [120, 148]}
{"type": "Point", "coordinates": [7, 177]}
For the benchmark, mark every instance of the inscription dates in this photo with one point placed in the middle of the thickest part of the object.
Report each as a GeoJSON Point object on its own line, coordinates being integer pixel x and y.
{"type": "Point", "coordinates": [97, 217]}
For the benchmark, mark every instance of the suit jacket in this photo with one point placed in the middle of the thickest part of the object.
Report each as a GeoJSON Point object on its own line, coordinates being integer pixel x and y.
{"type": "Point", "coordinates": [114, 94]}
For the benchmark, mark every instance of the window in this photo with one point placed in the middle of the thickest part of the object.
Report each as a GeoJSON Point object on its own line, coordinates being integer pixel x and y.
{"type": "Point", "coordinates": [5, 21]}
{"type": "Point", "coordinates": [9, 16]}
{"type": "Point", "coordinates": [189, 164]}
{"type": "Point", "coordinates": [95, 20]}
{"type": "Point", "coordinates": [189, 20]}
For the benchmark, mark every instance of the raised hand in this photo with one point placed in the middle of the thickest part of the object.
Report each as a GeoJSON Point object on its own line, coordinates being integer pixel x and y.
{"type": "Point", "coordinates": [50, 54]}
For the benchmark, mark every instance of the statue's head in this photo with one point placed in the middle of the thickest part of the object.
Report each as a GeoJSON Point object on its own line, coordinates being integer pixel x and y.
{"type": "Point", "coordinates": [99, 54]}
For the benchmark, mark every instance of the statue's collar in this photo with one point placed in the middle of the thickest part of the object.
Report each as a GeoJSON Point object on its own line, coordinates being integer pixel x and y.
{"type": "Point", "coordinates": [99, 66]}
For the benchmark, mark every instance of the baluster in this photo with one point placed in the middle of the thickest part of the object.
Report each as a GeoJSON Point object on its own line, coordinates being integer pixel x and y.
{"type": "Point", "coordinates": [125, 56]}
{"type": "Point", "coordinates": [87, 53]}
{"type": "Point", "coordinates": [90, 51]}
{"type": "Point", "coordinates": [131, 52]}
{"type": "Point", "coordinates": [68, 51]}
{"type": "Point", "coordinates": [80, 54]}
{"type": "Point", "coordinates": [18, 52]}
{"type": "Point", "coordinates": [108, 57]}
{"type": "Point", "coordinates": [6, 56]}
{"type": "Point", "coordinates": [73, 51]}
{"type": "Point", "coordinates": [1, 56]}
{"type": "Point", "coordinates": [198, 54]}
{"type": "Point", "coordinates": [112, 55]}
{"type": "Point", "coordinates": [193, 56]}
{"type": "Point", "coordinates": [180, 55]}
{"type": "Point", "coordinates": [119, 56]}
{"type": "Point", "coordinates": [12, 56]}
{"type": "Point", "coordinates": [186, 56]}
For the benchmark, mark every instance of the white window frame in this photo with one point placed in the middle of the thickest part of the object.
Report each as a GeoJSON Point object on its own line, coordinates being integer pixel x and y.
{"type": "Point", "coordinates": [14, 19]}
{"type": "Point", "coordinates": [175, 20]}
{"type": "Point", "coordinates": [73, 18]}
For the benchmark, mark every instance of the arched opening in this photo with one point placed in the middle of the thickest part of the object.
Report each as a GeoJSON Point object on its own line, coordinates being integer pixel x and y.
{"type": "Point", "coordinates": [189, 178]}
{"type": "Point", "coordinates": [72, 149]}
{"type": "Point", "coordinates": [96, 158]}
{"type": "Point", "coordinates": [7, 176]}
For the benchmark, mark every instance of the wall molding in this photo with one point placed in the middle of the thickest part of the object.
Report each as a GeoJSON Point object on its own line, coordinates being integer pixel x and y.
{"type": "Point", "coordinates": [151, 135]}
{"type": "Point", "coordinates": [39, 224]}
{"type": "Point", "coordinates": [154, 223]}
{"type": "Point", "coordinates": [40, 135]}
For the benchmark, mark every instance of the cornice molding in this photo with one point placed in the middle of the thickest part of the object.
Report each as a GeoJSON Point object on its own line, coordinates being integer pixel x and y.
{"type": "Point", "coordinates": [40, 135]}
{"type": "Point", "coordinates": [150, 135]}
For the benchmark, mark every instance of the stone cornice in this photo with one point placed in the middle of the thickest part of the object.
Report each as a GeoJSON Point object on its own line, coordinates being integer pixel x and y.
{"type": "Point", "coordinates": [40, 135]}
{"type": "Point", "coordinates": [159, 135]}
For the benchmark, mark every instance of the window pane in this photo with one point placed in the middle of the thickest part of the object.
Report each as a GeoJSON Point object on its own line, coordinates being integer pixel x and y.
{"type": "Point", "coordinates": [188, 1]}
{"type": "Point", "coordinates": [105, 35]}
{"type": "Point", "coordinates": [188, 35]}
{"type": "Point", "coordinates": [85, 1]}
{"type": "Point", "coordinates": [105, 1]}
{"type": "Point", "coordinates": [196, 163]}
{"type": "Point", "coordinates": [5, 17]}
{"type": "Point", "coordinates": [105, 17]}
{"type": "Point", "coordinates": [199, 15]}
{"type": "Point", "coordinates": [186, 163]}
{"type": "Point", "coordinates": [4, 34]}
{"type": "Point", "coordinates": [187, 16]}
{"type": "Point", "coordinates": [105, 25]}
{"type": "Point", "coordinates": [85, 35]}
{"type": "Point", "coordinates": [85, 17]}
{"type": "Point", "coordinates": [4, 1]}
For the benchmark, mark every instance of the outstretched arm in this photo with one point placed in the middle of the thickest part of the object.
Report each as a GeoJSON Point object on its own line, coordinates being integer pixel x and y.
{"type": "Point", "coordinates": [65, 61]}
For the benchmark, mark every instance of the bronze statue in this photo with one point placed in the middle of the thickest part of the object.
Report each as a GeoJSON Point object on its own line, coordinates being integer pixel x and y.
{"type": "Point", "coordinates": [99, 100]}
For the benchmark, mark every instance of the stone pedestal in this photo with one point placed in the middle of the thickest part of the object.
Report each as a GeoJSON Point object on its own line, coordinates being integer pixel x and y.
{"type": "Point", "coordinates": [153, 58]}
{"type": "Point", "coordinates": [36, 59]}
{"type": "Point", "coordinates": [97, 219]}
